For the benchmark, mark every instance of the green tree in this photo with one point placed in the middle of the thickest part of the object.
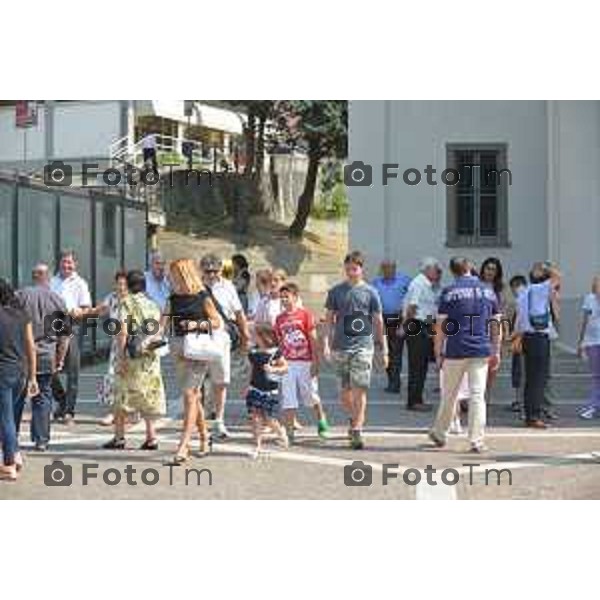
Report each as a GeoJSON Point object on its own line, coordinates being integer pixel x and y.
{"type": "Point", "coordinates": [320, 127]}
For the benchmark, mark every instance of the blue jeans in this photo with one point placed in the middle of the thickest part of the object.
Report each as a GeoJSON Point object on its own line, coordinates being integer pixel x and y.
{"type": "Point", "coordinates": [41, 410]}
{"type": "Point", "coordinates": [10, 389]}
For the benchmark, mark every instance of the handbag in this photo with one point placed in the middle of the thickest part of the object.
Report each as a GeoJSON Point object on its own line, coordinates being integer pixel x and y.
{"type": "Point", "coordinates": [231, 327]}
{"type": "Point", "coordinates": [105, 389]}
{"type": "Point", "coordinates": [202, 347]}
{"type": "Point", "coordinates": [138, 344]}
{"type": "Point", "coordinates": [538, 322]}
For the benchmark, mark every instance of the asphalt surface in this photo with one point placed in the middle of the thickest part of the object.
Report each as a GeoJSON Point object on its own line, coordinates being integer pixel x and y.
{"type": "Point", "coordinates": [399, 462]}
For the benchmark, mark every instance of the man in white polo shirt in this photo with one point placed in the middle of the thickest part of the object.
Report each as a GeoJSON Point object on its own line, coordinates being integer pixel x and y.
{"type": "Point", "coordinates": [74, 291]}
{"type": "Point", "coordinates": [227, 303]}
{"type": "Point", "coordinates": [420, 309]}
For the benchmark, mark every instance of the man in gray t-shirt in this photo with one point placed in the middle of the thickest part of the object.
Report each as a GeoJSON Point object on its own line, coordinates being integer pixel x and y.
{"type": "Point", "coordinates": [354, 332]}
{"type": "Point", "coordinates": [42, 306]}
{"type": "Point", "coordinates": [354, 306]}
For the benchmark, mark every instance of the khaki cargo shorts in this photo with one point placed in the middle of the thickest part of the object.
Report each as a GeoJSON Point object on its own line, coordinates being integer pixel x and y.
{"type": "Point", "coordinates": [354, 368]}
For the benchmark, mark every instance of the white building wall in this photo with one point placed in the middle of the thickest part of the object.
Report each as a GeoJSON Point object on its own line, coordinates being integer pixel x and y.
{"type": "Point", "coordinates": [574, 202]}
{"type": "Point", "coordinates": [86, 129]}
{"type": "Point", "coordinates": [408, 222]}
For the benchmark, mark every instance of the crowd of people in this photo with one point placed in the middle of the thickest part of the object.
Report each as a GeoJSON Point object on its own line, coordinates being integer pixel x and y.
{"type": "Point", "coordinates": [207, 310]}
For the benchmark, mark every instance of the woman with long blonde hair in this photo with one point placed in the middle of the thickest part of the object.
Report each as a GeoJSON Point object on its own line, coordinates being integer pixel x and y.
{"type": "Point", "coordinates": [189, 309]}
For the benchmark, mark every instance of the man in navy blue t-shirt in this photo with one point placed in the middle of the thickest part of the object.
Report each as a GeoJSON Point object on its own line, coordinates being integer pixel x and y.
{"type": "Point", "coordinates": [467, 341]}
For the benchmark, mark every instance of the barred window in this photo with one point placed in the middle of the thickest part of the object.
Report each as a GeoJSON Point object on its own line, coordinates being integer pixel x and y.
{"type": "Point", "coordinates": [477, 206]}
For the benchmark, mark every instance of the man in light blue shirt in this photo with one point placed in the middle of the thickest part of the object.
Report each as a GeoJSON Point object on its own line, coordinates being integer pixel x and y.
{"type": "Point", "coordinates": [158, 287]}
{"type": "Point", "coordinates": [391, 287]}
{"type": "Point", "coordinates": [533, 326]}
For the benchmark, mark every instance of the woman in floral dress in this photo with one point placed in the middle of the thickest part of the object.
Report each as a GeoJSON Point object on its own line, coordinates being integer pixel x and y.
{"type": "Point", "coordinates": [138, 381]}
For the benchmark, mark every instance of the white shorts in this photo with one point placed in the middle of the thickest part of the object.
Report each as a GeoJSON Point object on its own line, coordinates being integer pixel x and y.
{"type": "Point", "coordinates": [298, 385]}
{"type": "Point", "coordinates": [219, 371]}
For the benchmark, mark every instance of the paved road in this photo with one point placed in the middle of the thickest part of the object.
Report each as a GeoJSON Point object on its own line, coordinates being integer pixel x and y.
{"type": "Point", "coordinates": [556, 463]}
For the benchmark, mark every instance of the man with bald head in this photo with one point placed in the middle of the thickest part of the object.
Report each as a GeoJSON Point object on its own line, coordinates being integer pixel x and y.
{"type": "Point", "coordinates": [40, 303]}
{"type": "Point", "coordinates": [392, 287]}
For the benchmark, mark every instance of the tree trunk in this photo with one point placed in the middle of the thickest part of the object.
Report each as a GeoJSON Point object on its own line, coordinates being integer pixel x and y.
{"type": "Point", "coordinates": [259, 159]}
{"type": "Point", "coordinates": [250, 143]}
{"type": "Point", "coordinates": [306, 199]}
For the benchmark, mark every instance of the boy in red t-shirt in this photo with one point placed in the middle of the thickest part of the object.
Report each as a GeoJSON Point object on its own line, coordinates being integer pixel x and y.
{"type": "Point", "coordinates": [297, 335]}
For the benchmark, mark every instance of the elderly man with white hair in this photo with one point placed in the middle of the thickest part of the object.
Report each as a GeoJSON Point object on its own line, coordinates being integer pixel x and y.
{"type": "Point", "coordinates": [392, 287]}
{"type": "Point", "coordinates": [420, 309]}
{"type": "Point", "coordinates": [158, 287]}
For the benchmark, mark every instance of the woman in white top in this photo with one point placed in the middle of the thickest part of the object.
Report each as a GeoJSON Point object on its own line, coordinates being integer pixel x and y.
{"type": "Point", "coordinates": [589, 343]}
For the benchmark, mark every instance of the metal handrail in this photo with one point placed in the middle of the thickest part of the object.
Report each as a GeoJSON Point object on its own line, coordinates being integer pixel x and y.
{"type": "Point", "coordinates": [121, 151]}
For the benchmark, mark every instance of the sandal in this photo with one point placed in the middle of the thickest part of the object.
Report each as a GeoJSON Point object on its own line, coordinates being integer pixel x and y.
{"type": "Point", "coordinates": [150, 445]}
{"type": "Point", "coordinates": [18, 462]}
{"type": "Point", "coordinates": [180, 459]}
{"type": "Point", "coordinates": [115, 444]}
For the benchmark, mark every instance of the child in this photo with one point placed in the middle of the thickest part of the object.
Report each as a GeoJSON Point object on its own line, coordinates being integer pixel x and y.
{"type": "Point", "coordinates": [517, 284]}
{"type": "Point", "coordinates": [589, 343]}
{"type": "Point", "coordinates": [270, 307]}
{"type": "Point", "coordinates": [296, 331]}
{"type": "Point", "coordinates": [267, 365]}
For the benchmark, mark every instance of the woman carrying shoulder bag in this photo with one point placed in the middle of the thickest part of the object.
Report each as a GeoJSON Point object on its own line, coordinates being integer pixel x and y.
{"type": "Point", "coordinates": [193, 317]}
{"type": "Point", "coordinates": [138, 379]}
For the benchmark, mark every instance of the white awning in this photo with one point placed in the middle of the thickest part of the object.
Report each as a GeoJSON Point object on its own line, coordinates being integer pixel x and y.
{"type": "Point", "coordinates": [212, 117]}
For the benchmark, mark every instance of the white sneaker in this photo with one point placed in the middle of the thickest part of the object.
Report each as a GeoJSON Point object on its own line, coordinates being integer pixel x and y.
{"type": "Point", "coordinates": [588, 413]}
{"type": "Point", "coordinates": [478, 448]}
{"type": "Point", "coordinates": [220, 431]}
{"type": "Point", "coordinates": [455, 427]}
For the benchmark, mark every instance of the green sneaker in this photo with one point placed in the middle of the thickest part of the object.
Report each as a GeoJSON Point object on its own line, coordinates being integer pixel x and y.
{"type": "Point", "coordinates": [323, 429]}
{"type": "Point", "coordinates": [357, 442]}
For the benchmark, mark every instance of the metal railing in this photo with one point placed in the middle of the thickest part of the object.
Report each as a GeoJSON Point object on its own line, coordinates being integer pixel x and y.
{"type": "Point", "coordinates": [169, 151]}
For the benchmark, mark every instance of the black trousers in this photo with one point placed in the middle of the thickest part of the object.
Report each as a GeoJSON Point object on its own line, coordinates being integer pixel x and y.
{"type": "Point", "coordinates": [420, 353]}
{"type": "Point", "coordinates": [536, 355]}
{"type": "Point", "coordinates": [150, 154]}
{"type": "Point", "coordinates": [516, 371]}
{"type": "Point", "coordinates": [393, 324]}
{"type": "Point", "coordinates": [66, 397]}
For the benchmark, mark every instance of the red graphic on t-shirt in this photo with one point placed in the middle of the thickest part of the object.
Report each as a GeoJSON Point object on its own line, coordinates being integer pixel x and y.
{"type": "Point", "coordinates": [293, 331]}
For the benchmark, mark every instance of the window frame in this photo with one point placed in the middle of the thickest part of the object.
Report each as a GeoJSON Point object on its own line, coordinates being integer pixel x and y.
{"type": "Point", "coordinates": [453, 238]}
